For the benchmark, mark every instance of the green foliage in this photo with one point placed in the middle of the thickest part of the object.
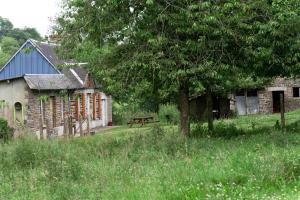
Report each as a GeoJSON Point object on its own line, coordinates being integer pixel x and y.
{"type": "Point", "coordinates": [120, 114]}
{"type": "Point", "coordinates": [5, 26]}
{"type": "Point", "coordinates": [222, 129]}
{"type": "Point", "coordinates": [169, 113]}
{"type": "Point", "coordinates": [123, 112]}
{"type": "Point", "coordinates": [43, 98]}
{"type": "Point", "coordinates": [6, 132]}
{"type": "Point", "coordinates": [11, 38]}
{"type": "Point", "coordinates": [4, 57]}
{"type": "Point", "coordinates": [9, 45]}
{"type": "Point", "coordinates": [156, 163]}
{"type": "Point", "coordinates": [26, 155]}
{"type": "Point", "coordinates": [154, 50]}
{"type": "Point", "coordinates": [27, 50]}
{"type": "Point", "coordinates": [240, 45]}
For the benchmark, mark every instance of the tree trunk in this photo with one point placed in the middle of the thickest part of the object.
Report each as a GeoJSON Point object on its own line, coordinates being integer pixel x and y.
{"type": "Point", "coordinates": [184, 110]}
{"type": "Point", "coordinates": [209, 104]}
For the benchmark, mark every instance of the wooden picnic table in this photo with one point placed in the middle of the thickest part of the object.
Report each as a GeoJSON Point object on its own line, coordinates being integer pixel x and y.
{"type": "Point", "coordinates": [141, 120]}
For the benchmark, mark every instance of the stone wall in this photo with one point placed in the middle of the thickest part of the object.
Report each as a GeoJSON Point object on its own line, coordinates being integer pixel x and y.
{"type": "Point", "coordinates": [53, 108]}
{"type": "Point", "coordinates": [279, 84]}
{"type": "Point", "coordinates": [52, 104]}
{"type": "Point", "coordinates": [265, 101]}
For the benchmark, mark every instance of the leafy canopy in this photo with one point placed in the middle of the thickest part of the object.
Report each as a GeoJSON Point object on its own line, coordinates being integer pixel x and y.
{"type": "Point", "coordinates": [160, 44]}
{"type": "Point", "coordinates": [159, 49]}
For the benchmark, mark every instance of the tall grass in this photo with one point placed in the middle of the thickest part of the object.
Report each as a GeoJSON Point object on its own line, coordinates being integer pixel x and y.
{"type": "Point", "coordinates": [156, 163]}
{"type": "Point", "coordinates": [169, 114]}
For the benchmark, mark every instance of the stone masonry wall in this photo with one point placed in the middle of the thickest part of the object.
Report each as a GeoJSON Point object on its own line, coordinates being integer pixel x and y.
{"type": "Point", "coordinates": [33, 108]}
{"type": "Point", "coordinates": [266, 98]}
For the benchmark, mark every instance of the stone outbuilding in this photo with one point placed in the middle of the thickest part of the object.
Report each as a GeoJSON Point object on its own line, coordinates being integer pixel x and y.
{"type": "Point", "coordinates": [267, 99]}
{"type": "Point", "coordinates": [34, 92]}
{"type": "Point", "coordinates": [251, 101]}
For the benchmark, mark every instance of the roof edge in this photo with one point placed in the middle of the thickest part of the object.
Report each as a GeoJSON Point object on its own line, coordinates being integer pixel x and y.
{"type": "Point", "coordinates": [15, 54]}
{"type": "Point", "coordinates": [32, 41]}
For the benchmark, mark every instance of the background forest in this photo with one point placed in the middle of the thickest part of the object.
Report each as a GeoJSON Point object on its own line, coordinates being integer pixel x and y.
{"type": "Point", "coordinates": [12, 38]}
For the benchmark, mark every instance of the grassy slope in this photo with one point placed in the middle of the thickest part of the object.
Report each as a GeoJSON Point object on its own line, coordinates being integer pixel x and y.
{"type": "Point", "coordinates": [142, 163]}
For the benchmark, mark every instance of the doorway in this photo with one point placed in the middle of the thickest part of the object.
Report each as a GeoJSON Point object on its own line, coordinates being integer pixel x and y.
{"type": "Point", "coordinates": [276, 100]}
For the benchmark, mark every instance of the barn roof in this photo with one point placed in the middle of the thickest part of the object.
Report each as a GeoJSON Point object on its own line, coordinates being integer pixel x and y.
{"type": "Point", "coordinates": [49, 51]}
{"type": "Point", "coordinates": [49, 82]}
{"type": "Point", "coordinates": [38, 67]}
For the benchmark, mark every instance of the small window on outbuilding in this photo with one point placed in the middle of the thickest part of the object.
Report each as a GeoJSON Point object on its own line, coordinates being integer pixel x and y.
{"type": "Point", "coordinates": [296, 92]}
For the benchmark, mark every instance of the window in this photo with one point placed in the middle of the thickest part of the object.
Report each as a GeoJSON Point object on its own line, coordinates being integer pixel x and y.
{"type": "Point", "coordinates": [252, 93]}
{"type": "Point", "coordinates": [18, 113]}
{"type": "Point", "coordinates": [295, 91]}
{"type": "Point", "coordinates": [18, 107]}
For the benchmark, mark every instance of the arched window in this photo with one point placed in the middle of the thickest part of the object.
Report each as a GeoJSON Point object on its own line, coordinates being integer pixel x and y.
{"type": "Point", "coordinates": [18, 113]}
{"type": "Point", "coordinates": [18, 107]}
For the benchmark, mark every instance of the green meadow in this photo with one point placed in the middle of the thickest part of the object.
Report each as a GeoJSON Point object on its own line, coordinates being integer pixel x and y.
{"type": "Point", "coordinates": [244, 158]}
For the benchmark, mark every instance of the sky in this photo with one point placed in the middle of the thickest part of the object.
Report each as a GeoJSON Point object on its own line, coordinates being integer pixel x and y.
{"type": "Point", "coordinates": [30, 13]}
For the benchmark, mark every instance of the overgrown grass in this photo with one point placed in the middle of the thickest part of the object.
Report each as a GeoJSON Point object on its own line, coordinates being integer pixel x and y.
{"type": "Point", "coordinates": [258, 162]}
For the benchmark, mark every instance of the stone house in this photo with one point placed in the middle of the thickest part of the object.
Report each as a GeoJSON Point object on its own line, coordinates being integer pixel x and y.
{"type": "Point", "coordinates": [267, 99]}
{"type": "Point", "coordinates": [34, 92]}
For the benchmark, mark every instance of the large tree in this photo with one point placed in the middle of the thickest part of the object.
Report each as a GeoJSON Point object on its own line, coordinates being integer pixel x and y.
{"type": "Point", "coordinates": [179, 47]}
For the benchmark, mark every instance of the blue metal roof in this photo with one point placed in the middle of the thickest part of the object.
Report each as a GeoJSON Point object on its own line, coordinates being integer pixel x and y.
{"type": "Point", "coordinates": [27, 60]}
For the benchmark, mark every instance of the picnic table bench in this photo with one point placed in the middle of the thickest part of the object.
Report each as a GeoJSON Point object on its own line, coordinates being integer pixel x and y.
{"type": "Point", "coordinates": [141, 120]}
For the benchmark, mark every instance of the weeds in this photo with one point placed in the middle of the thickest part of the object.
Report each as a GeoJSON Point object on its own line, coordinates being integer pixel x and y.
{"type": "Point", "coordinates": [6, 132]}
{"type": "Point", "coordinates": [169, 114]}
{"type": "Point", "coordinates": [157, 163]}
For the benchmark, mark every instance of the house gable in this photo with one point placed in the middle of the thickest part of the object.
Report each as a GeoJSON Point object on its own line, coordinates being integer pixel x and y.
{"type": "Point", "coordinates": [27, 60]}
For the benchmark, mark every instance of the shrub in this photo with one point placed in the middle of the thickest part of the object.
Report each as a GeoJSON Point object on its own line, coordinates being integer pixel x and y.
{"type": "Point", "coordinates": [168, 113]}
{"type": "Point", "coordinates": [199, 130]}
{"type": "Point", "coordinates": [118, 114]}
{"type": "Point", "coordinates": [227, 130]}
{"type": "Point", "coordinates": [221, 129]}
{"type": "Point", "coordinates": [6, 132]}
{"type": "Point", "coordinates": [122, 113]}
{"type": "Point", "coordinates": [157, 132]}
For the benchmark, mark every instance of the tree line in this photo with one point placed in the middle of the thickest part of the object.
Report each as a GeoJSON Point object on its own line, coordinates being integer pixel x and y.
{"type": "Point", "coordinates": [157, 51]}
{"type": "Point", "coordinates": [11, 38]}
